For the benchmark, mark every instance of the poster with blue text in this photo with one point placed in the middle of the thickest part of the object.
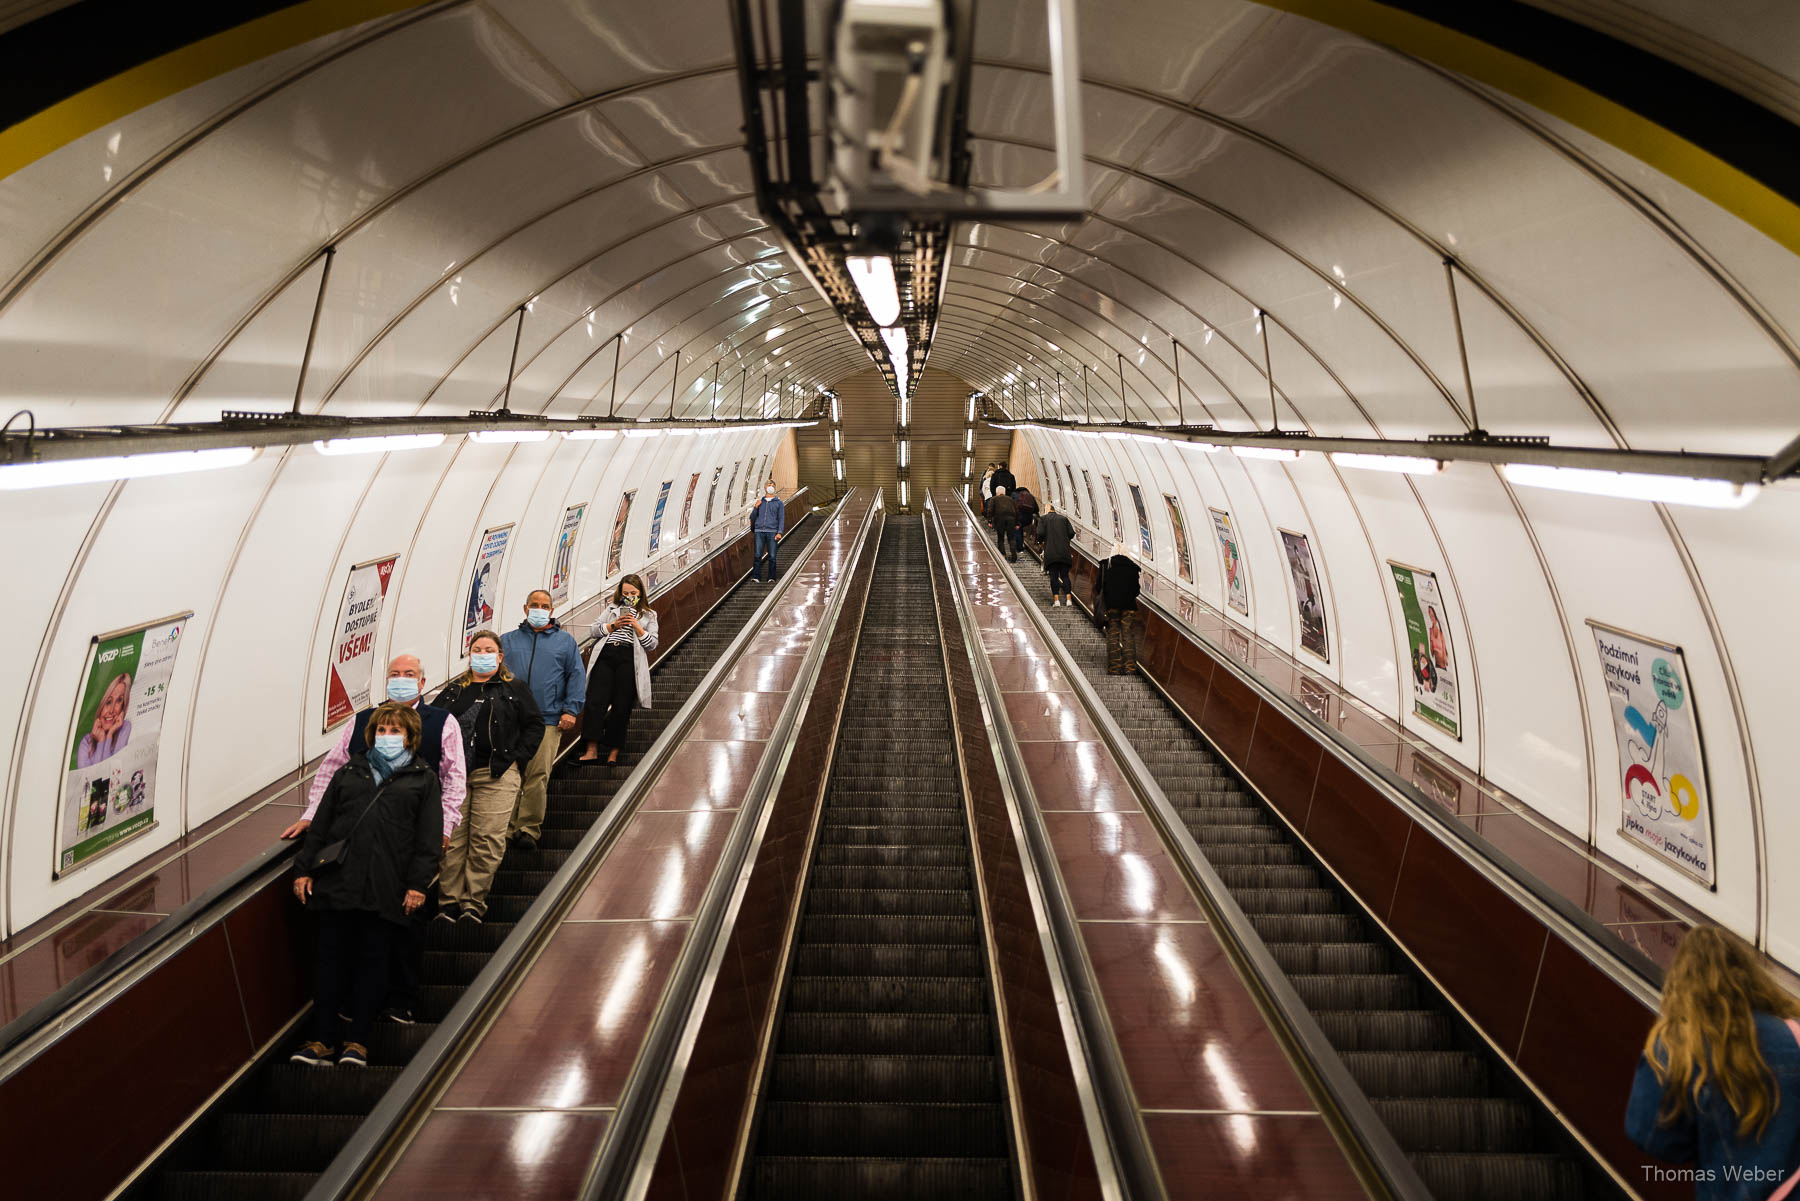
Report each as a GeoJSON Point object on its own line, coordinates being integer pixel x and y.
{"type": "Point", "coordinates": [109, 778]}
{"type": "Point", "coordinates": [1664, 804]}
{"type": "Point", "coordinates": [656, 515]}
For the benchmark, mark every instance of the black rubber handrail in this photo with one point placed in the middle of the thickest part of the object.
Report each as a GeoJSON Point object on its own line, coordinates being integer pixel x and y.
{"type": "Point", "coordinates": [632, 1143]}
{"type": "Point", "coordinates": [380, 1136]}
{"type": "Point", "coordinates": [1381, 1155]}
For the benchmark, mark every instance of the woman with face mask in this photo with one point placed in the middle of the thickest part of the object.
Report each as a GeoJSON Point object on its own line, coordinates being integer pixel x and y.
{"type": "Point", "coordinates": [619, 671]}
{"type": "Point", "coordinates": [362, 871]}
{"type": "Point", "coordinates": [501, 729]}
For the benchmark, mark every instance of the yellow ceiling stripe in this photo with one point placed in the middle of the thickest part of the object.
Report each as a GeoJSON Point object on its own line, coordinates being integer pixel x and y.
{"type": "Point", "coordinates": [1673, 155]}
{"type": "Point", "coordinates": [160, 78]}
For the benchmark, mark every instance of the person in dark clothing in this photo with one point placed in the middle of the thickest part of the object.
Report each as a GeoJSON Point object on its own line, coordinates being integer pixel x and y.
{"type": "Point", "coordinates": [362, 870]}
{"type": "Point", "coordinates": [619, 670]}
{"type": "Point", "coordinates": [502, 730]}
{"type": "Point", "coordinates": [768, 517]}
{"type": "Point", "coordinates": [1118, 590]}
{"type": "Point", "coordinates": [1028, 511]}
{"type": "Point", "coordinates": [1003, 479]}
{"type": "Point", "coordinates": [1005, 515]}
{"type": "Point", "coordinates": [1057, 534]}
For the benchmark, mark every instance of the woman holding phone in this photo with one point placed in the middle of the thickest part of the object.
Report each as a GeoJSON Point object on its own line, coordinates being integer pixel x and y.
{"type": "Point", "coordinates": [619, 672]}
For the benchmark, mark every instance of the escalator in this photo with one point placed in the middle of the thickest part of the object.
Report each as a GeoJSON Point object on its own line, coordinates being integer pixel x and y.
{"type": "Point", "coordinates": [885, 1079]}
{"type": "Point", "coordinates": [282, 1124]}
{"type": "Point", "coordinates": [1471, 1129]}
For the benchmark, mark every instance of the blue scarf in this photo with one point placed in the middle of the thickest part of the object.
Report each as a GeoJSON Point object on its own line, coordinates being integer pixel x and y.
{"type": "Point", "coordinates": [385, 766]}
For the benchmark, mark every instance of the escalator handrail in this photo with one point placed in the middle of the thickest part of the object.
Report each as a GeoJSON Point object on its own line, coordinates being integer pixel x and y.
{"type": "Point", "coordinates": [1635, 972]}
{"type": "Point", "coordinates": [375, 1140]}
{"type": "Point", "coordinates": [631, 1146]}
{"type": "Point", "coordinates": [1381, 1151]}
{"type": "Point", "coordinates": [1121, 1145]}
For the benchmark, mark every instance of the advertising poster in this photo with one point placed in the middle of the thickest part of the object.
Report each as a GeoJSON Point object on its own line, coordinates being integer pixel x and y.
{"type": "Point", "coordinates": [1237, 585]}
{"type": "Point", "coordinates": [1047, 480]}
{"type": "Point", "coordinates": [1054, 488]}
{"type": "Point", "coordinates": [687, 505]}
{"type": "Point", "coordinates": [353, 639]}
{"type": "Point", "coordinates": [712, 492]}
{"type": "Point", "coordinates": [484, 582]}
{"type": "Point", "coordinates": [1430, 664]}
{"type": "Point", "coordinates": [1309, 598]}
{"type": "Point", "coordinates": [1074, 495]}
{"type": "Point", "coordinates": [1143, 516]}
{"type": "Point", "coordinates": [1112, 502]}
{"type": "Point", "coordinates": [562, 559]}
{"type": "Point", "coordinates": [616, 544]}
{"type": "Point", "coordinates": [1662, 767]}
{"type": "Point", "coordinates": [731, 488]}
{"type": "Point", "coordinates": [109, 786]}
{"type": "Point", "coordinates": [1087, 481]}
{"type": "Point", "coordinates": [1182, 562]}
{"type": "Point", "coordinates": [656, 515]}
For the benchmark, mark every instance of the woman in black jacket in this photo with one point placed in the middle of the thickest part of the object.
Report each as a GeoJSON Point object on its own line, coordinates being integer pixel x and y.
{"type": "Point", "coordinates": [1117, 588]}
{"type": "Point", "coordinates": [363, 869]}
{"type": "Point", "coordinates": [502, 729]}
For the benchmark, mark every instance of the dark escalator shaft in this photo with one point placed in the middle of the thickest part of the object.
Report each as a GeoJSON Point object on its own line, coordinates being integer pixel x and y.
{"type": "Point", "coordinates": [886, 1081]}
{"type": "Point", "coordinates": [270, 1137]}
{"type": "Point", "coordinates": [1455, 1108]}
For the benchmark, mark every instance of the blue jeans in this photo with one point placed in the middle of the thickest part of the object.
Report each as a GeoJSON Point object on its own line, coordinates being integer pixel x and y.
{"type": "Point", "coordinates": [765, 544]}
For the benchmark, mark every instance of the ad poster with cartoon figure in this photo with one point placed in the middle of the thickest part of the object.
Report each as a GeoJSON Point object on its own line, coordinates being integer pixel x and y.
{"type": "Point", "coordinates": [616, 544]}
{"type": "Point", "coordinates": [1309, 598]}
{"type": "Point", "coordinates": [109, 786]}
{"type": "Point", "coordinates": [1662, 768]}
{"type": "Point", "coordinates": [1430, 665]}
{"type": "Point", "coordinates": [1183, 563]}
{"type": "Point", "coordinates": [484, 583]}
{"type": "Point", "coordinates": [353, 638]}
{"type": "Point", "coordinates": [1237, 585]}
{"type": "Point", "coordinates": [562, 560]}
{"type": "Point", "coordinates": [656, 515]}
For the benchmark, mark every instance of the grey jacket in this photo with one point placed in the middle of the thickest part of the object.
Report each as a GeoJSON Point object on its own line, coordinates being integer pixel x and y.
{"type": "Point", "coordinates": [640, 651]}
{"type": "Point", "coordinates": [1056, 533]}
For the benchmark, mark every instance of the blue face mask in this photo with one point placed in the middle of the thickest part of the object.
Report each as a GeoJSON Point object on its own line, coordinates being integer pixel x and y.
{"type": "Point", "coordinates": [539, 618]}
{"type": "Point", "coordinates": [404, 689]}
{"type": "Point", "coordinates": [390, 746]}
{"type": "Point", "coordinates": [484, 664]}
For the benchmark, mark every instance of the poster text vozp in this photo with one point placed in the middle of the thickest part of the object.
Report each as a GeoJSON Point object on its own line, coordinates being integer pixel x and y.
{"type": "Point", "coordinates": [484, 583]}
{"type": "Point", "coordinates": [562, 560]}
{"type": "Point", "coordinates": [1237, 584]}
{"type": "Point", "coordinates": [109, 779]}
{"type": "Point", "coordinates": [353, 639]}
{"type": "Point", "coordinates": [1430, 663]}
{"type": "Point", "coordinates": [1663, 797]}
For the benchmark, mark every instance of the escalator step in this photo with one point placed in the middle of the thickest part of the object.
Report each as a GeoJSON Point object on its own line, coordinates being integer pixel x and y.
{"type": "Point", "coordinates": [849, 854]}
{"type": "Point", "coordinates": [1307, 927]}
{"type": "Point", "coordinates": [1418, 1073]}
{"type": "Point", "coordinates": [889, 929]}
{"type": "Point", "coordinates": [1486, 1124]}
{"type": "Point", "coordinates": [887, 994]}
{"type": "Point", "coordinates": [888, 878]}
{"type": "Point", "coordinates": [872, 835]}
{"type": "Point", "coordinates": [279, 1142]}
{"type": "Point", "coordinates": [296, 1088]}
{"type": "Point", "coordinates": [875, 1179]}
{"type": "Point", "coordinates": [1305, 958]}
{"type": "Point", "coordinates": [466, 936]}
{"type": "Point", "coordinates": [1286, 900]}
{"type": "Point", "coordinates": [866, 959]}
{"type": "Point", "coordinates": [884, 1128]}
{"type": "Point", "coordinates": [231, 1186]}
{"type": "Point", "coordinates": [894, 817]}
{"type": "Point", "coordinates": [1389, 991]}
{"type": "Point", "coordinates": [1501, 1177]}
{"type": "Point", "coordinates": [967, 1078]}
{"type": "Point", "coordinates": [940, 902]}
{"type": "Point", "coordinates": [886, 1034]}
{"type": "Point", "coordinates": [1387, 1030]}
{"type": "Point", "coordinates": [454, 967]}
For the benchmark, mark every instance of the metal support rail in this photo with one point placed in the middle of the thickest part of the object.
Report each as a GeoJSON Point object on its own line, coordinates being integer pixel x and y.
{"type": "Point", "coordinates": [1121, 1145]}
{"type": "Point", "coordinates": [633, 1139]}
{"type": "Point", "coordinates": [383, 1134]}
{"type": "Point", "coordinates": [1374, 1153]}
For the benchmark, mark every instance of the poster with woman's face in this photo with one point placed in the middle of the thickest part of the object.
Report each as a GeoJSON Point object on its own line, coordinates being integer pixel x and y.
{"type": "Point", "coordinates": [616, 544]}
{"type": "Point", "coordinates": [1309, 598]}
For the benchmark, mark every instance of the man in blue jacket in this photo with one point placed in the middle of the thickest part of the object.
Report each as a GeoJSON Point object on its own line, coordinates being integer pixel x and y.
{"type": "Point", "coordinates": [545, 656]}
{"type": "Point", "coordinates": [767, 520]}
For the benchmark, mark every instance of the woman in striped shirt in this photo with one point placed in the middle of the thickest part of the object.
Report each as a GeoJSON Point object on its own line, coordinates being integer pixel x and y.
{"type": "Point", "coordinates": [619, 669]}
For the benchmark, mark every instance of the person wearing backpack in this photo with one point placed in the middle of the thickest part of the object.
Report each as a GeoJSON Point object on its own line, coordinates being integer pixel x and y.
{"type": "Point", "coordinates": [1057, 535]}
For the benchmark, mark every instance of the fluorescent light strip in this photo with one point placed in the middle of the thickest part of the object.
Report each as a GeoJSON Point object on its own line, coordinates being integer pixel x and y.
{"type": "Point", "coordinates": [590, 435]}
{"type": "Point", "coordinates": [378, 445]}
{"type": "Point", "coordinates": [642, 433]}
{"type": "Point", "coordinates": [1405, 464]}
{"type": "Point", "coordinates": [1631, 485]}
{"type": "Point", "coordinates": [873, 276]}
{"type": "Point", "coordinates": [504, 436]}
{"type": "Point", "coordinates": [20, 476]}
{"type": "Point", "coordinates": [1266, 452]}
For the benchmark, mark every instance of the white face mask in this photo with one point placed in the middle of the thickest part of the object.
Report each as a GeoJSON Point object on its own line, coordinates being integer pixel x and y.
{"type": "Point", "coordinates": [768, 492]}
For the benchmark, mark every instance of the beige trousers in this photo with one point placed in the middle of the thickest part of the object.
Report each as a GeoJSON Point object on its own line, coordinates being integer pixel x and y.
{"type": "Point", "coordinates": [534, 793]}
{"type": "Point", "coordinates": [479, 844]}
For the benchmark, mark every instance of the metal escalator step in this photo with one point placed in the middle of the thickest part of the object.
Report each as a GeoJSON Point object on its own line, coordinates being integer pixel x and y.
{"type": "Point", "coordinates": [296, 1088]}
{"type": "Point", "coordinates": [454, 967]}
{"type": "Point", "coordinates": [888, 928]}
{"type": "Point", "coordinates": [1311, 958]}
{"type": "Point", "coordinates": [893, 816]}
{"type": "Point", "coordinates": [868, 1178]}
{"type": "Point", "coordinates": [232, 1186]}
{"type": "Point", "coordinates": [1383, 991]}
{"type": "Point", "coordinates": [886, 959]}
{"type": "Point", "coordinates": [1208, 834]}
{"type": "Point", "coordinates": [1286, 900]}
{"type": "Point", "coordinates": [392, 1043]}
{"type": "Point", "coordinates": [890, 877]}
{"type": "Point", "coordinates": [893, 856]}
{"type": "Point", "coordinates": [1490, 1124]}
{"type": "Point", "coordinates": [880, 835]}
{"type": "Point", "coordinates": [887, 994]}
{"type": "Point", "coordinates": [1500, 1177]}
{"type": "Point", "coordinates": [886, 1034]}
{"type": "Point", "coordinates": [884, 1128]}
{"type": "Point", "coordinates": [1387, 1029]}
{"type": "Point", "coordinates": [1270, 875]}
{"type": "Point", "coordinates": [1224, 854]}
{"type": "Point", "coordinates": [1308, 927]}
{"type": "Point", "coordinates": [1418, 1073]}
{"type": "Point", "coordinates": [941, 902]}
{"type": "Point", "coordinates": [279, 1142]}
{"type": "Point", "coordinates": [466, 936]}
{"type": "Point", "coordinates": [966, 1078]}
{"type": "Point", "coordinates": [919, 794]}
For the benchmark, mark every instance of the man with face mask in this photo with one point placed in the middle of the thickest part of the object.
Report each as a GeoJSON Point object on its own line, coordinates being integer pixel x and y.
{"type": "Point", "coordinates": [767, 520]}
{"type": "Point", "coordinates": [545, 656]}
{"type": "Point", "coordinates": [441, 746]}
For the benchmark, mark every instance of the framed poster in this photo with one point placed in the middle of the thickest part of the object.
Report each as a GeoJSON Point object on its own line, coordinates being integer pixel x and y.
{"type": "Point", "coordinates": [1087, 482]}
{"type": "Point", "coordinates": [1430, 665]}
{"type": "Point", "coordinates": [687, 505]}
{"type": "Point", "coordinates": [1183, 563]}
{"type": "Point", "coordinates": [712, 492]}
{"type": "Point", "coordinates": [1055, 492]}
{"type": "Point", "coordinates": [484, 582]}
{"type": "Point", "coordinates": [1070, 472]}
{"type": "Point", "coordinates": [353, 638]}
{"type": "Point", "coordinates": [1143, 516]}
{"type": "Point", "coordinates": [1237, 581]}
{"type": "Point", "coordinates": [731, 488]}
{"type": "Point", "coordinates": [562, 559]}
{"type": "Point", "coordinates": [1112, 502]}
{"type": "Point", "coordinates": [109, 776]}
{"type": "Point", "coordinates": [616, 547]}
{"type": "Point", "coordinates": [656, 515]}
{"type": "Point", "coordinates": [1047, 478]}
{"type": "Point", "coordinates": [1309, 598]}
{"type": "Point", "coordinates": [1664, 804]}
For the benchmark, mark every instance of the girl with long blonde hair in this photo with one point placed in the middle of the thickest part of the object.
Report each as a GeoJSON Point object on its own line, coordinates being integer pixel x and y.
{"type": "Point", "coordinates": [1718, 1085]}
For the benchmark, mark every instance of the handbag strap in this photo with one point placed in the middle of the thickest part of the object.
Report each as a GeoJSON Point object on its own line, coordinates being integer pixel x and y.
{"type": "Point", "coordinates": [1787, 1186]}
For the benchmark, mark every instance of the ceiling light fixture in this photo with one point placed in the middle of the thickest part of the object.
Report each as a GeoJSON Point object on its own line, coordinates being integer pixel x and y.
{"type": "Point", "coordinates": [1631, 485]}
{"type": "Point", "coordinates": [1405, 464]}
{"type": "Point", "coordinates": [106, 469]}
{"type": "Point", "coordinates": [378, 445]}
{"type": "Point", "coordinates": [589, 435]}
{"type": "Point", "coordinates": [1279, 453]}
{"type": "Point", "coordinates": [495, 437]}
{"type": "Point", "coordinates": [873, 276]}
